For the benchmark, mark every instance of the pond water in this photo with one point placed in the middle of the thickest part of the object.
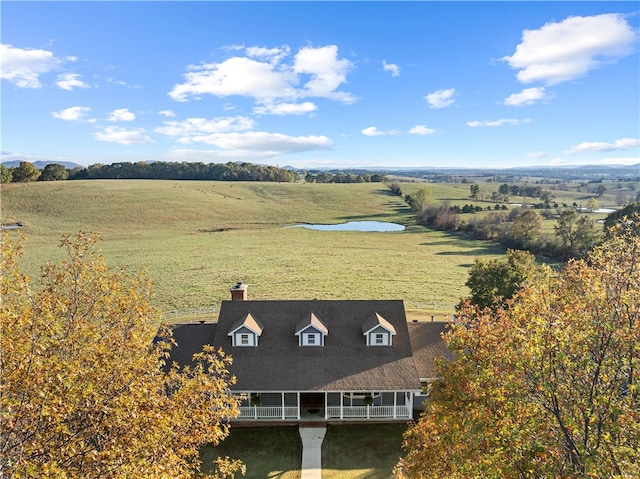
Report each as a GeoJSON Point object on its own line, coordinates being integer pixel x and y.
{"type": "Point", "coordinates": [377, 226]}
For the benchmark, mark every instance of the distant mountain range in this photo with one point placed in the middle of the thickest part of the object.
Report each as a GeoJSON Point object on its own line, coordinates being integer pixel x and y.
{"type": "Point", "coordinates": [41, 164]}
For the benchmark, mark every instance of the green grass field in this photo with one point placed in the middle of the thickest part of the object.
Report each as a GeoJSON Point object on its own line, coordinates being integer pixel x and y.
{"type": "Point", "coordinates": [196, 239]}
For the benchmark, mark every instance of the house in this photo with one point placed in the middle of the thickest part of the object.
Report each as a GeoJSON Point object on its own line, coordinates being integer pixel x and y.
{"type": "Point", "coordinates": [324, 359]}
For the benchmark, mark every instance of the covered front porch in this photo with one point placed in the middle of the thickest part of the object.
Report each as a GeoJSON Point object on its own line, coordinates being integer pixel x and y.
{"type": "Point", "coordinates": [328, 405]}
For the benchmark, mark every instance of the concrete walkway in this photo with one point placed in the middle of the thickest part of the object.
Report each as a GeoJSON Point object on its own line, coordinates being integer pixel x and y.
{"type": "Point", "coordinates": [312, 438]}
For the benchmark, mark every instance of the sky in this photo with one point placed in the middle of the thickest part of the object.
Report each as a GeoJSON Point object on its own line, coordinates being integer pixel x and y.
{"type": "Point", "coordinates": [322, 84]}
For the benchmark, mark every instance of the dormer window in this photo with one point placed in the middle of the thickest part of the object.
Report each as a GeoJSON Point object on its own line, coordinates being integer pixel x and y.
{"type": "Point", "coordinates": [378, 331]}
{"type": "Point", "coordinates": [246, 331]}
{"type": "Point", "coordinates": [311, 331]}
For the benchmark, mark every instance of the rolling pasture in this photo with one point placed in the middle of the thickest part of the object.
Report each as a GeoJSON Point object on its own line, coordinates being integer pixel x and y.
{"type": "Point", "coordinates": [196, 239]}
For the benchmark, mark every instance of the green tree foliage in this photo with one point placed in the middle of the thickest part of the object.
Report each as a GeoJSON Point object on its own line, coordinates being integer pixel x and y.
{"type": "Point", "coordinates": [493, 283]}
{"type": "Point", "coordinates": [621, 216]}
{"type": "Point", "coordinates": [54, 172]}
{"type": "Point", "coordinates": [83, 390]}
{"type": "Point", "coordinates": [576, 234]}
{"type": "Point", "coordinates": [474, 191]}
{"type": "Point", "coordinates": [546, 388]}
{"type": "Point", "coordinates": [6, 175]}
{"type": "Point", "coordinates": [526, 229]}
{"type": "Point", "coordinates": [419, 200]}
{"type": "Point", "coordinates": [25, 172]}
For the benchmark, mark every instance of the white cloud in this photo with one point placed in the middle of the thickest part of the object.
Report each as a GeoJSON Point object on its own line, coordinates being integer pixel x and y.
{"type": "Point", "coordinates": [69, 81]}
{"type": "Point", "coordinates": [269, 144]}
{"type": "Point", "coordinates": [198, 126]}
{"type": "Point", "coordinates": [326, 71]}
{"type": "Point", "coordinates": [372, 131]}
{"type": "Point", "coordinates": [167, 113]}
{"type": "Point", "coordinates": [501, 122]}
{"type": "Point", "coordinates": [561, 51]}
{"type": "Point", "coordinates": [421, 130]}
{"type": "Point", "coordinates": [441, 98]}
{"type": "Point", "coordinates": [272, 55]}
{"type": "Point", "coordinates": [121, 114]}
{"type": "Point", "coordinates": [114, 134]}
{"type": "Point", "coordinates": [73, 113]}
{"type": "Point", "coordinates": [528, 96]}
{"type": "Point", "coordinates": [264, 76]}
{"type": "Point", "coordinates": [236, 76]}
{"type": "Point", "coordinates": [597, 146]}
{"type": "Point", "coordinates": [285, 108]}
{"type": "Point", "coordinates": [23, 67]}
{"type": "Point", "coordinates": [536, 155]}
{"type": "Point", "coordinates": [391, 67]}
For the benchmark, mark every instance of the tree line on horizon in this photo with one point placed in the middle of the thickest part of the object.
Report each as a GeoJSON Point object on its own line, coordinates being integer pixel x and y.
{"type": "Point", "coordinates": [160, 170]}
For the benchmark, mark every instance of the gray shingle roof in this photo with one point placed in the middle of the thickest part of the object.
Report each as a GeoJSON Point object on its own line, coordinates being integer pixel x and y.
{"type": "Point", "coordinates": [344, 363]}
{"type": "Point", "coordinates": [427, 345]}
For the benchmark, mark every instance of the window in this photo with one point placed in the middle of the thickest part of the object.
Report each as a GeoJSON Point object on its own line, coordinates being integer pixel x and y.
{"type": "Point", "coordinates": [244, 339]}
{"type": "Point", "coordinates": [379, 338]}
{"type": "Point", "coordinates": [311, 339]}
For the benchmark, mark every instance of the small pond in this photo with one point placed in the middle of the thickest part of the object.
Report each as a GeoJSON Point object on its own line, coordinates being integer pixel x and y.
{"type": "Point", "coordinates": [378, 226]}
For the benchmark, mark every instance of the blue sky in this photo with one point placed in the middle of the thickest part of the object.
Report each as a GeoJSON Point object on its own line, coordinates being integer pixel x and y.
{"type": "Point", "coordinates": [322, 84]}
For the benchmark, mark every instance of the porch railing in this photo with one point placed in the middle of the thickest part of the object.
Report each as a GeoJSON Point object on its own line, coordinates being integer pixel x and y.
{"type": "Point", "coordinates": [268, 412]}
{"type": "Point", "coordinates": [333, 412]}
{"type": "Point", "coordinates": [349, 412]}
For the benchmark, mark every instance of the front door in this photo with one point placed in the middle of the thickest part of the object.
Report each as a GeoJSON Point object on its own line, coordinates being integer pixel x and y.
{"type": "Point", "coordinates": [312, 405]}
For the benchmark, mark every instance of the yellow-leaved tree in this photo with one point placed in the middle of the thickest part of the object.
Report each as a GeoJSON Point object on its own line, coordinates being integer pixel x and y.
{"type": "Point", "coordinates": [548, 387]}
{"type": "Point", "coordinates": [84, 388]}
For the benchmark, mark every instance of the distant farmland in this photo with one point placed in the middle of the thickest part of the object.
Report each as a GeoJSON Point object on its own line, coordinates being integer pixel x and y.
{"type": "Point", "coordinates": [195, 239]}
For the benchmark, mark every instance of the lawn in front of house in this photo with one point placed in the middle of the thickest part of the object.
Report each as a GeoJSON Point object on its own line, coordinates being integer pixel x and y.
{"type": "Point", "coordinates": [361, 451]}
{"type": "Point", "coordinates": [356, 451]}
{"type": "Point", "coordinates": [266, 451]}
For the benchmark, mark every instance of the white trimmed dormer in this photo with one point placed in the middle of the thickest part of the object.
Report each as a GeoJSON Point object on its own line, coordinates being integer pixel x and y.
{"type": "Point", "coordinates": [246, 331]}
{"type": "Point", "coordinates": [311, 331]}
{"type": "Point", "coordinates": [378, 331]}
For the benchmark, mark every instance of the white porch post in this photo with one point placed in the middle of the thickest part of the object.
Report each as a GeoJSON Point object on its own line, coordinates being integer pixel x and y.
{"type": "Point", "coordinates": [326, 405]}
{"type": "Point", "coordinates": [282, 405]}
{"type": "Point", "coordinates": [395, 404]}
{"type": "Point", "coordinates": [298, 396]}
{"type": "Point", "coordinates": [341, 406]}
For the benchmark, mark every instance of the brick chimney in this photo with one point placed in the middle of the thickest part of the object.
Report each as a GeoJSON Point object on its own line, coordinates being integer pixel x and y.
{"type": "Point", "coordinates": [239, 291]}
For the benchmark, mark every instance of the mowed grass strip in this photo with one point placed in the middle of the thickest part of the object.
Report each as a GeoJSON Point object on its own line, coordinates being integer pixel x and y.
{"type": "Point", "coordinates": [196, 239]}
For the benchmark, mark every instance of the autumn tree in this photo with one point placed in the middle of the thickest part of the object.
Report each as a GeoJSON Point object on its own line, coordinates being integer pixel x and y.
{"type": "Point", "coordinates": [6, 175]}
{"type": "Point", "coordinates": [546, 388]}
{"type": "Point", "coordinates": [25, 173]}
{"type": "Point", "coordinates": [84, 392]}
{"type": "Point", "coordinates": [592, 204]}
